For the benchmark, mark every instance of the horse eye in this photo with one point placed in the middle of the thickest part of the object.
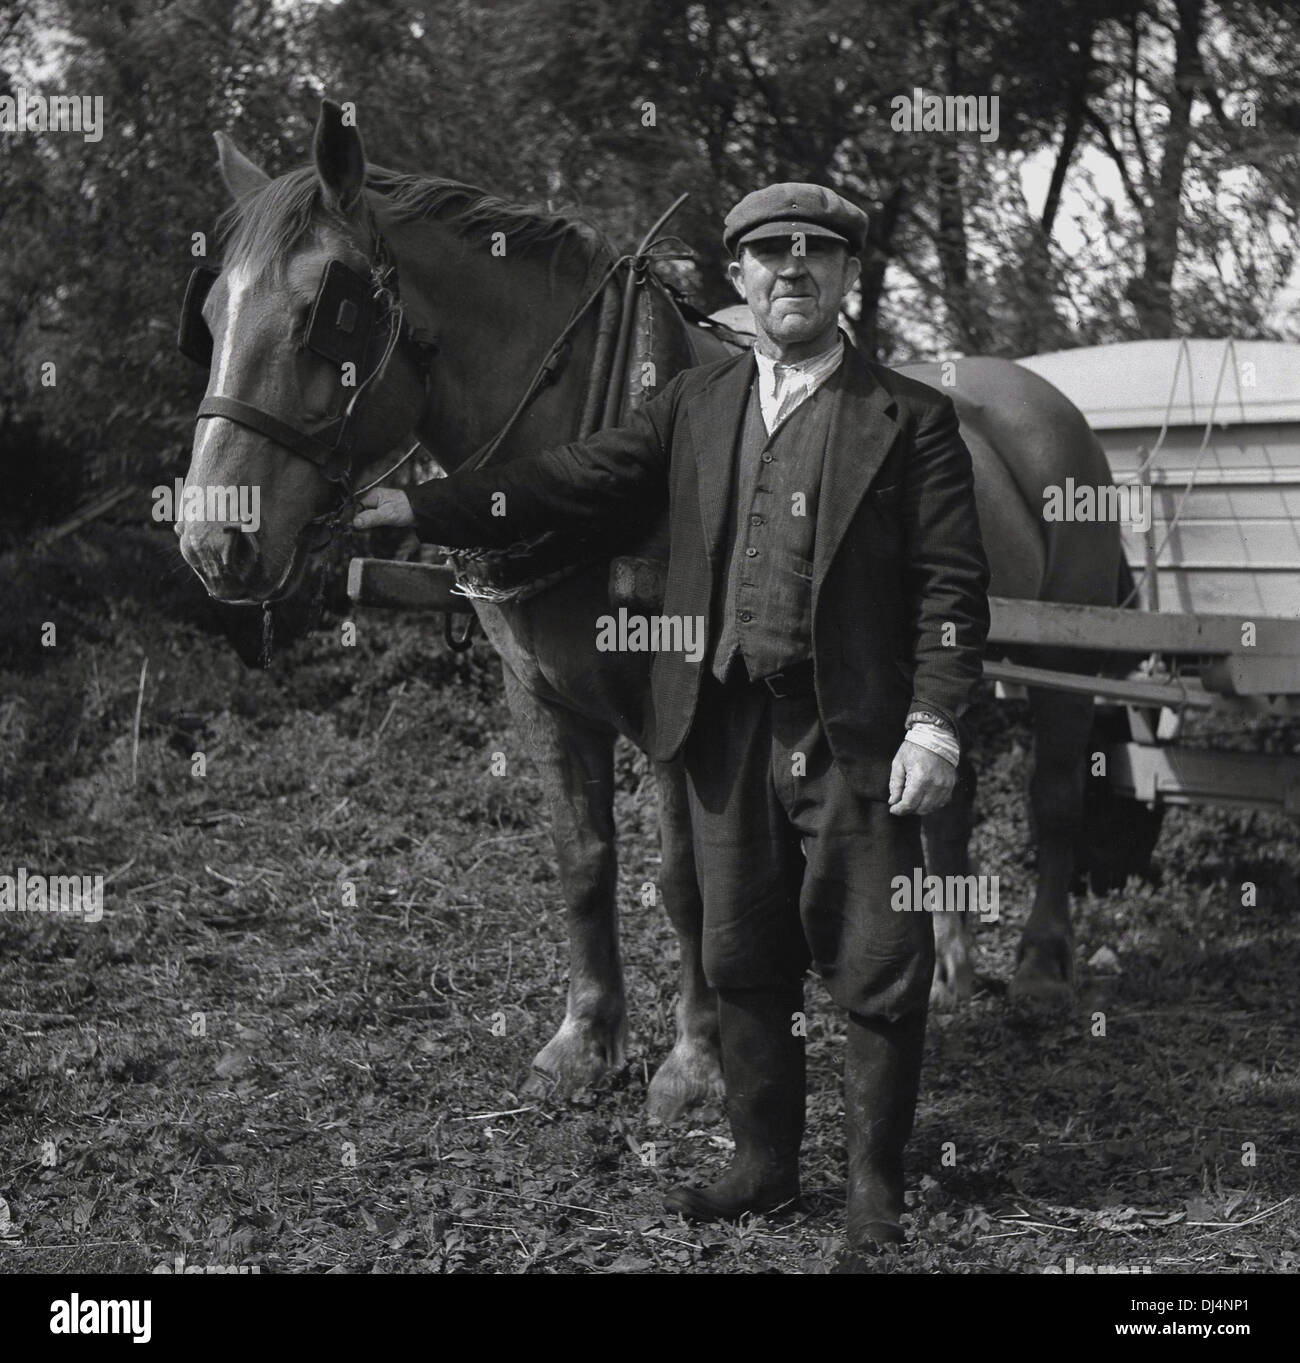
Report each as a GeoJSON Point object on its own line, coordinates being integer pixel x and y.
{"type": "Point", "coordinates": [298, 324]}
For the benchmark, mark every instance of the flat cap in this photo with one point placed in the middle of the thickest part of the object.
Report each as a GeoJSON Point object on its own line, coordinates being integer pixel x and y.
{"type": "Point", "coordinates": [780, 210]}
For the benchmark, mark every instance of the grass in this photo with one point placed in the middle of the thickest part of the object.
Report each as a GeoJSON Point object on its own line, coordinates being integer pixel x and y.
{"type": "Point", "coordinates": [246, 1064]}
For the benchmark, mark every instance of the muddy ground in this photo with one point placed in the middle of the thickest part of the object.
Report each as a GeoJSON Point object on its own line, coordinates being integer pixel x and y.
{"type": "Point", "coordinates": [236, 1067]}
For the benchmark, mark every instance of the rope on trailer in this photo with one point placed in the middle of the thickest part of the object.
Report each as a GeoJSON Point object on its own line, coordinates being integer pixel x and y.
{"type": "Point", "coordinates": [1229, 348]}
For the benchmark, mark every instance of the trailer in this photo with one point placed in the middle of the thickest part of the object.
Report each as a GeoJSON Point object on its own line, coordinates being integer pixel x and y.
{"type": "Point", "coordinates": [1209, 431]}
{"type": "Point", "coordinates": [1212, 428]}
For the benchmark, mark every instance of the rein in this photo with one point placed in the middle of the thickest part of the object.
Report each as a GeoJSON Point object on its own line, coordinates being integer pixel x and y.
{"type": "Point", "coordinates": [600, 410]}
{"type": "Point", "coordinates": [638, 261]}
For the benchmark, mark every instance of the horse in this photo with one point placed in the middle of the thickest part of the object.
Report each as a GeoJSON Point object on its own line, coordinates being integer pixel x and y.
{"type": "Point", "coordinates": [1026, 437]}
{"type": "Point", "coordinates": [443, 300]}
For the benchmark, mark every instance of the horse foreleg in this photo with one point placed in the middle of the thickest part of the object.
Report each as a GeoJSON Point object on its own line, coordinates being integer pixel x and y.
{"type": "Point", "coordinates": [1062, 724]}
{"type": "Point", "coordinates": [947, 853]}
{"type": "Point", "coordinates": [575, 759]}
{"type": "Point", "coordinates": [692, 1073]}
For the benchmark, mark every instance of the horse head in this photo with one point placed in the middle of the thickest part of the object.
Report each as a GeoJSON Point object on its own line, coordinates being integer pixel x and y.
{"type": "Point", "coordinates": [313, 370]}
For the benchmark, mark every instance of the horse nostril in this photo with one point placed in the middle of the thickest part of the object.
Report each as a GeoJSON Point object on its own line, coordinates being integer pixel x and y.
{"type": "Point", "coordinates": [239, 553]}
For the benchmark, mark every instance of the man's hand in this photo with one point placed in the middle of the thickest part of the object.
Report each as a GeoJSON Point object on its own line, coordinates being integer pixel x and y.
{"type": "Point", "coordinates": [919, 781]}
{"type": "Point", "coordinates": [383, 506]}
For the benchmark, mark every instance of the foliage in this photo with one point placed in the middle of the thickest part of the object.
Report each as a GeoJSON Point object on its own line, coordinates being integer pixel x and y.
{"type": "Point", "coordinates": [1191, 103]}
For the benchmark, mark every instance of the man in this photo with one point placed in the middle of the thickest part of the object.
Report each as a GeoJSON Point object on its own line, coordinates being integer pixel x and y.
{"type": "Point", "coordinates": [823, 525]}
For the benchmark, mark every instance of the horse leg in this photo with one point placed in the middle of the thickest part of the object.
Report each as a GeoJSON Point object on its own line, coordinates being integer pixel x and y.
{"type": "Point", "coordinates": [947, 853]}
{"type": "Point", "coordinates": [1062, 724]}
{"type": "Point", "coordinates": [692, 1073]}
{"type": "Point", "coordinates": [575, 759]}
{"type": "Point", "coordinates": [1119, 834]}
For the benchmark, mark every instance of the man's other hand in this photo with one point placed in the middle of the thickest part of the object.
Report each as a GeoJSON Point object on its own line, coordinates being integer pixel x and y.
{"type": "Point", "coordinates": [383, 506]}
{"type": "Point", "coordinates": [919, 781]}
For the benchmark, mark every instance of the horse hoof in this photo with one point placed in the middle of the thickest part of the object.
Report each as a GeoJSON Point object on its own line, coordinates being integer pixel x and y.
{"type": "Point", "coordinates": [579, 1055]}
{"type": "Point", "coordinates": [690, 1077]}
{"type": "Point", "coordinates": [1044, 975]}
{"type": "Point", "coordinates": [954, 969]}
{"type": "Point", "coordinates": [539, 1084]}
{"type": "Point", "coordinates": [952, 985]}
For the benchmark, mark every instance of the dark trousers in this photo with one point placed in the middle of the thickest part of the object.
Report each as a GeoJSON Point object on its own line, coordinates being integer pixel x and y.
{"type": "Point", "coordinates": [795, 868]}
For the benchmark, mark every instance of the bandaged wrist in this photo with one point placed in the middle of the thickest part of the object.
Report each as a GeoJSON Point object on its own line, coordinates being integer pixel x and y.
{"type": "Point", "coordinates": [936, 738]}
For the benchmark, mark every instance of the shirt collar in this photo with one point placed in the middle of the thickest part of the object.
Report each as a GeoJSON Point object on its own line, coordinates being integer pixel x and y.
{"type": "Point", "coordinates": [816, 367]}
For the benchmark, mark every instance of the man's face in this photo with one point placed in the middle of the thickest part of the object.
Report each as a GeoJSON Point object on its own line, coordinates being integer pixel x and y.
{"type": "Point", "coordinates": [794, 294]}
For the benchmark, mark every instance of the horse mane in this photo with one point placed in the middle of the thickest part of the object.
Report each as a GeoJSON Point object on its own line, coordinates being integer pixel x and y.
{"type": "Point", "coordinates": [262, 229]}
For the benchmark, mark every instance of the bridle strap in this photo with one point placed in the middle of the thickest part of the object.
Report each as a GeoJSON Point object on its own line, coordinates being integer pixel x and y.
{"type": "Point", "coordinates": [306, 446]}
{"type": "Point", "coordinates": [333, 458]}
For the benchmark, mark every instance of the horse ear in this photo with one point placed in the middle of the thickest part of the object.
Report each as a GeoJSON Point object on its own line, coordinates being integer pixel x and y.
{"type": "Point", "coordinates": [340, 157]}
{"type": "Point", "coordinates": [240, 174]}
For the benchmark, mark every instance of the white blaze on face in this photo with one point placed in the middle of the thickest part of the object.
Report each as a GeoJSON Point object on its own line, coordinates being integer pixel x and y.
{"type": "Point", "coordinates": [238, 285]}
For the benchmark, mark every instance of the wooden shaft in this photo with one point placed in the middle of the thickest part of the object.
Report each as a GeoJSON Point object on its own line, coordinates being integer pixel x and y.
{"type": "Point", "coordinates": [404, 586]}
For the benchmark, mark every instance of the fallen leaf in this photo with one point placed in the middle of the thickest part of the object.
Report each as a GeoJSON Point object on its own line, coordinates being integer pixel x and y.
{"type": "Point", "coordinates": [233, 1064]}
{"type": "Point", "coordinates": [630, 1263]}
{"type": "Point", "coordinates": [9, 1233]}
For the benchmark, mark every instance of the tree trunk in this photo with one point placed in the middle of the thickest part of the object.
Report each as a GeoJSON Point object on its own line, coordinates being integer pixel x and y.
{"type": "Point", "coordinates": [1152, 292]}
{"type": "Point", "coordinates": [951, 242]}
{"type": "Point", "coordinates": [880, 238]}
{"type": "Point", "coordinates": [1076, 106]}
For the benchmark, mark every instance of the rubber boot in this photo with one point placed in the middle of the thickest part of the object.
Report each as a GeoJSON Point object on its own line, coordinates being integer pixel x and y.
{"type": "Point", "coordinates": [882, 1075]}
{"type": "Point", "coordinates": [763, 1069]}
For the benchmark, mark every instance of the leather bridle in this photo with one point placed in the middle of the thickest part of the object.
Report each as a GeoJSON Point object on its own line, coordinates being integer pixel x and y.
{"type": "Point", "coordinates": [358, 302]}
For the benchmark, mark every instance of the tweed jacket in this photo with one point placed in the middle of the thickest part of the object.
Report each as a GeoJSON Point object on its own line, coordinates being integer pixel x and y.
{"type": "Point", "coordinates": [900, 580]}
